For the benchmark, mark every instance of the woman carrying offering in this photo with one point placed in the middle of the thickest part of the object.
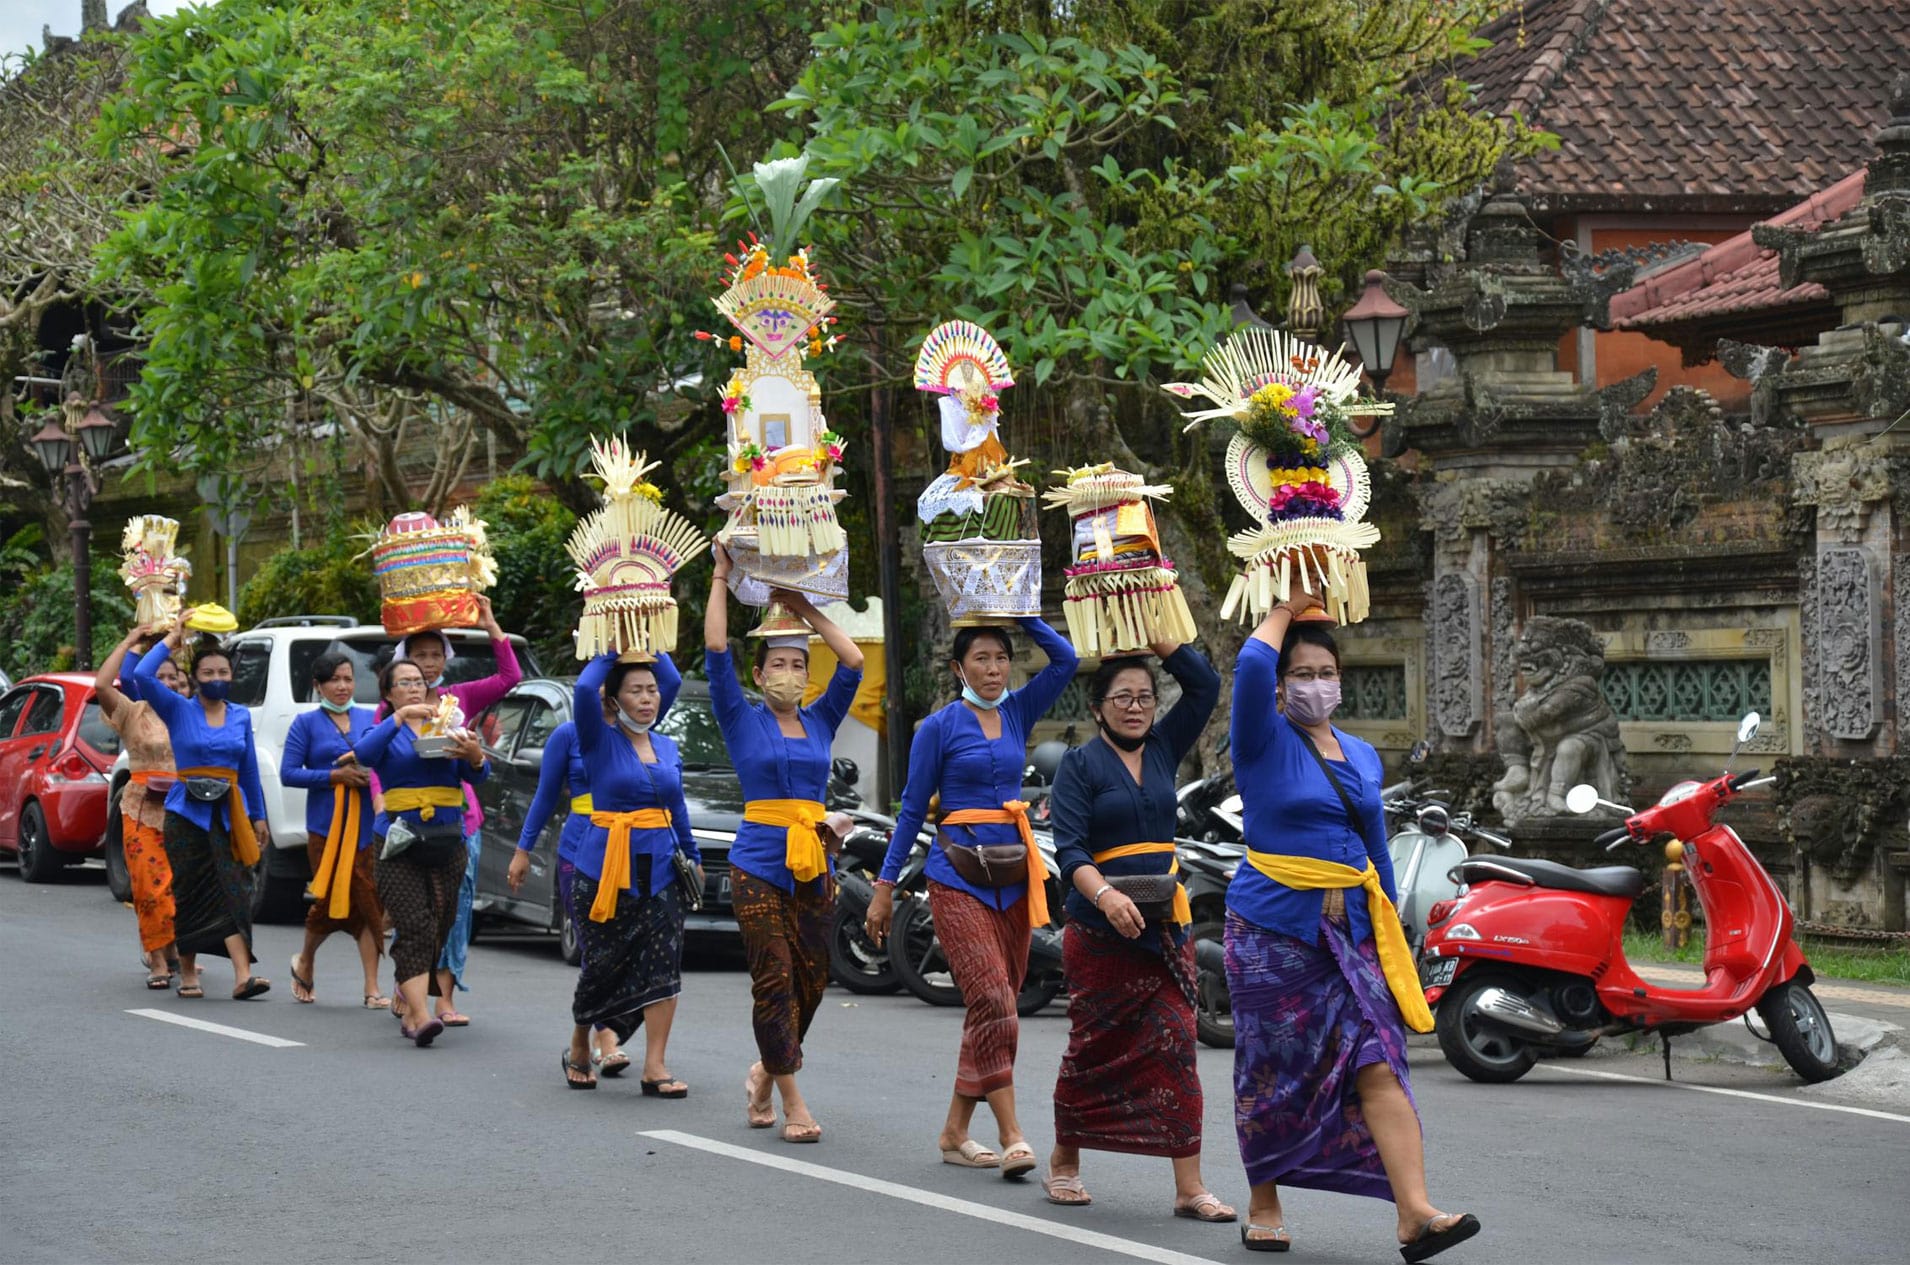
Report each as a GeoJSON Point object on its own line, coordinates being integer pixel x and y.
{"type": "Point", "coordinates": [972, 752]}
{"type": "Point", "coordinates": [418, 873]}
{"type": "Point", "coordinates": [625, 881]}
{"type": "Point", "coordinates": [431, 651]}
{"type": "Point", "coordinates": [1323, 983]}
{"type": "Point", "coordinates": [319, 759]}
{"type": "Point", "coordinates": [783, 888]}
{"type": "Point", "coordinates": [1128, 1080]}
{"type": "Point", "coordinates": [562, 778]}
{"type": "Point", "coordinates": [215, 812]}
{"type": "Point", "coordinates": [142, 803]}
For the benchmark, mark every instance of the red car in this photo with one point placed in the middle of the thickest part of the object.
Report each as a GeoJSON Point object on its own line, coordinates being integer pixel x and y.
{"type": "Point", "coordinates": [55, 749]}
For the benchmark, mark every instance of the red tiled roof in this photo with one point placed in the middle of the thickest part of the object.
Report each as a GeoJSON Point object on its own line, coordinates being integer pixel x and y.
{"type": "Point", "coordinates": [1692, 105]}
{"type": "Point", "coordinates": [1736, 275]}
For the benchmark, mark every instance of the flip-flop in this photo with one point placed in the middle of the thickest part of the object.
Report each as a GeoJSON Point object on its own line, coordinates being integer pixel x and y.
{"type": "Point", "coordinates": [1431, 1242]}
{"type": "Point", "coordinates": [252, 987]}
{"type": "Point", "coordinates": [1264, 1245]}
{"type": "Point", "coordinates": [1205, 1206]}
{"type": "Point", "coordinates": [1018, 1160]}
{"type": "Point", "coordinates": [376, 1001]}
{"type": "Point", "coordinates": [570, 1067]}
{"type": "Point", "coordinates": [655, 1089]}
{"type": "Point", "coordinates": [970, 1155]}
{"type": "Point", "coordinates": [1068, 1184]}
{"type": "Point", "coordinates": [614, 1066]}
{"type": "Point", "coordinates": [452, 1019]}
{"type": "Point", "coordinates": [159, 982]}
{"type": "Point", "coordinates": [312, 993]}
{"type": "Point", "coordinates": [423, 1035]}
{"type": "Point", "coordinates": [804, 1132]}
{"type": "Point", "coordinates": [190, 991]}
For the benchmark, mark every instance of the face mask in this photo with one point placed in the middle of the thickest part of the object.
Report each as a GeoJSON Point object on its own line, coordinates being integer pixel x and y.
{"type": "Point", "coordinates": [632, 724]}
{"type": "Point", "coordinates": [439, 682]}
{"type": "Point", "coordinates": [336, 709]}
{"type": "Point", "coordinates": [970, 696]}
{"type": "Point", "coordinates": [1122, 741]}
{"type": "Point", "coordinates": [1311, 702]}
{"type": "Point", "coordinates": [215, 690]}
{"type": "Point", "coordinates": [785, 689]}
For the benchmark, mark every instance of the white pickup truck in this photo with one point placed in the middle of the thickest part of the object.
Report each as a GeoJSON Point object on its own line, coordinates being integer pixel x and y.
{"type": "Point", "coordinates": [271, 675]}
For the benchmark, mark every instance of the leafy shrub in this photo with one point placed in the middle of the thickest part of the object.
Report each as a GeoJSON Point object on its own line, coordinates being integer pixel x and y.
{"type": "Point", "coordinates": [326, 579]}
{"type": "Point", "coordinates": [37, 618]}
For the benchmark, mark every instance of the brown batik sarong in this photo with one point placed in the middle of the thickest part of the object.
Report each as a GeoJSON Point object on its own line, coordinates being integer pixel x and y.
{"type": "Point", "coordinates": [987, 951]}
{"type": "Point", "coordinates": [786, 938]}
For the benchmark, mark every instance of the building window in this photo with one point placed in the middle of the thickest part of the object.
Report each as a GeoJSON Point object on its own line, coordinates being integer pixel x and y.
{"type": "Point", "coordinates": [1373, 692]}
{"type": "Point", "coordinates": [1689, 690]}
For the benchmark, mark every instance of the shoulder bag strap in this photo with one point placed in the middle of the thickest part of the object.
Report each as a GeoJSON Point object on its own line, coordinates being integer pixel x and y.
{"type": "Point", "coordinates": [1346, 802]}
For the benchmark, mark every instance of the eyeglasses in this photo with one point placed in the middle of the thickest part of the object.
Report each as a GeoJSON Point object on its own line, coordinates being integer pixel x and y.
{"type": "Point", "coordinates": [1308, 674]}
{"type": "Point", "coordinates": [1130, 702]}
{"type": "Point", "coordinates": [408, 683]}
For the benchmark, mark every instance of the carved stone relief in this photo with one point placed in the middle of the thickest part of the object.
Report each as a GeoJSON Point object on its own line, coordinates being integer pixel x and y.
{"type": "Point", "coordinates": [1505, 670]}
{"type": "Point", "coordinates": [1842, 485]}
{"type": "Point", "coordinates": [1457, 700]}
{"type": "Point", "coordinates": [1900, 571]}
{"type": "Point", "coordinates": [1848, 650]}
{"type": "Point", "coordinates": [1561, 730]}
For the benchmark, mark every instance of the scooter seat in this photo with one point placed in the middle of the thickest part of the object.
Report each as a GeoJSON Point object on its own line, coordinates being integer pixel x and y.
{"type": "Point", "coordinates": [1605, 880]}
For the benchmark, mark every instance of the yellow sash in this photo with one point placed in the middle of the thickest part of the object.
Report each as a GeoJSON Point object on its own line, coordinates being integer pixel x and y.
{"type": "Point", "coordinates": [424, 800]}
{"type": "Point", "coordinates": [1183, 912]}
{"type": "Point", "coordinates": [616, 867]}
{"type": "Point", "coordinates": [1395, 957]}
{"type": "Point", "coordinates": [245, 844]}
{"type": "Point", "coordinates": [804, 856]}
{"type": "Point", "coordinates": [341, 847]}
{"type": "Point", "coordinates": [581, 805]}
{"type": "Point", "coordinates": [1014, 811]}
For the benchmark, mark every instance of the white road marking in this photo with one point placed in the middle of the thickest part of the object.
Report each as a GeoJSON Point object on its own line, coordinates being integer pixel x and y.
{"type": "Point", "coordinates": [218, 1029]}
{"type": "Point", "coordinates": [1733, 1093]}
{"type": "Point", "coordinates": [929, 1199]}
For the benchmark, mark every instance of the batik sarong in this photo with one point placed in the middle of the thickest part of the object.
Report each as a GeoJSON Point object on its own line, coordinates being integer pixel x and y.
{"type": "Point", "coordinates": [987, 951]}
{"type": "Point", "coordinates": [632, 960]}
{"type": "Point", "coordinates": [365, 914]}
{"type": "Point", "coordinates": [786, 939]}
{"type": "Point", "coordinates": [421, 904]}
{"type": "Point", "coordinates": [211, 891]}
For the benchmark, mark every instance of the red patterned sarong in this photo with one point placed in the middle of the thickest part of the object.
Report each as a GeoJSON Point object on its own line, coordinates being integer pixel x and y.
{"type": "Point", "coordinates": [987, 951]}
{"type": "Point", "coordinates": [1129, 1080]}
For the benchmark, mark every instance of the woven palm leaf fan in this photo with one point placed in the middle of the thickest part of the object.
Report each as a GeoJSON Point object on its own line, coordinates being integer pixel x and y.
{"type": "Point", "coordinates": [961, 355]}
{"type": "Point", "coordinates": [626, 554]}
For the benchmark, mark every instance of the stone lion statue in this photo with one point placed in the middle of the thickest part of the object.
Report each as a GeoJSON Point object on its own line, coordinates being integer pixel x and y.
{"type": "Point", "coordinates": [1560, 731]}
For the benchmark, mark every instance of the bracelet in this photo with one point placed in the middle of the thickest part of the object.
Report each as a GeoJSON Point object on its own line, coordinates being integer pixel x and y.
{"type": "Point", "coordinates": [885, 882]}
{"type": "Point", "coordinates": [1103, 890]}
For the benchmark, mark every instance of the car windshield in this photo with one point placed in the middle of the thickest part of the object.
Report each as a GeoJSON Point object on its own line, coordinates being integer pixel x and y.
{"type": "Point", "coordinates": [475, 660]}
{"type": "Point", "coordinates": [692, 723]}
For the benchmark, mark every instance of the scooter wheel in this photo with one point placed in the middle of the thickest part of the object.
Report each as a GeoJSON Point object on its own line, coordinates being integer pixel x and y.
{"type": "Point", "coordinates": [1800, 1029]}
{"type": "Point", "coordinates": [1482, 1051]}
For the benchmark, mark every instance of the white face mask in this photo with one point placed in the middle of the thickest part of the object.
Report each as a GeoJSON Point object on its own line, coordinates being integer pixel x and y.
{"type": "Point", "coordinates": [632, 724]}
{"type": "Point", "coordinates": [970, 696]}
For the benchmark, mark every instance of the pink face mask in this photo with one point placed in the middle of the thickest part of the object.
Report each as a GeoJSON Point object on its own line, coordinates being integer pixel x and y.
{"type": "Point", "coordinates": [1311, 702]}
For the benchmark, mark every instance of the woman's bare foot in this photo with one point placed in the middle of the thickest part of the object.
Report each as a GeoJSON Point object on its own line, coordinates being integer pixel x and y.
{"type": "Point", "coordinates": [1266, 1223]}
{"type": "Point", "coordinates": [760, 1112]}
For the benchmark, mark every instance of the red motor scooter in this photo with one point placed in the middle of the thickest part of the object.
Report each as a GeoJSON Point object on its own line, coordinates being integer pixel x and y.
{"type": "Point", "coordinates": [1530, 957]}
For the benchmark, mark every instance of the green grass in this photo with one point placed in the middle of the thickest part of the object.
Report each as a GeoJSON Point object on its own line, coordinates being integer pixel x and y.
{"type": "Point", "coordinates": [1829, 960]}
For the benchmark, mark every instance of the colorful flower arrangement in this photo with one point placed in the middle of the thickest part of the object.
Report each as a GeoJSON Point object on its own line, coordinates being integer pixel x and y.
{"type": "Point", "coordinates": [733, 398]}
{"type": "Point", "coordinates": [750, 456]}
{"type": "Point", "coordinates": [1300, 428]}
{"type": "Point", "coordinates": [829, 449]}
{"type": "Point", "coordinates": [751, 260]}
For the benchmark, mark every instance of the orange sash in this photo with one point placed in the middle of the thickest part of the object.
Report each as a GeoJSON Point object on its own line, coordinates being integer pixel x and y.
{"type": "Point", "coordinates": [245, 844]}
{"type": "Point", "coordinates": [1014, 811]}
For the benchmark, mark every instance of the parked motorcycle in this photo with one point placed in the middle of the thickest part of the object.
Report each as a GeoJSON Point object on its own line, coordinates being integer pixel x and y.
{"type": "Point", "coordinates": [923, 967]}
{"type": "Point", "coordinates": [1530, 958]}
{"type": "Point", "coordinates": [1206, 869]}
{"type": "Point", "coordinates": [854, 960]}
{"type": "Point", "coordinates": [1427, 848]}
{"type": "Point", "coordinates": [1208, 810]}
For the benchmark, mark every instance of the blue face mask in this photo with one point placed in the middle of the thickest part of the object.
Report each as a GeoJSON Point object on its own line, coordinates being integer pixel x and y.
{"type": "Point", "coordinates": [439, 682]}
{"type": "Point", "coordinates": [970, 696]}
{"type": "Point", "coordinates": [336, 709]}
{"type": "Point", "coordinates": [215, 690]}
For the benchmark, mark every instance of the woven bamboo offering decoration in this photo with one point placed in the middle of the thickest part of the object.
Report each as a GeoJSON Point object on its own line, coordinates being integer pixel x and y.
{"type": "Point", "coordinates": [626, 552]}
{"type": "Point", "coordinates": [152, 569]}
{"type": "Point", "coordinates": [1121, 594]}
{"type": "Point", "coordinates": [430, 573]}
{"type": "Point", "coordinates": [1296, 467]}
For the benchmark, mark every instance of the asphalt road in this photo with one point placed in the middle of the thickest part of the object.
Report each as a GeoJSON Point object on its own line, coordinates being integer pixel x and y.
{"type": "Point", "coordinates": [127, 1139]}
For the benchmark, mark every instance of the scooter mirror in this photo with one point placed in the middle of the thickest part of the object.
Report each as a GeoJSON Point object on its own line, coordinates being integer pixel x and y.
{"type": "Point", "coordinates": [1582, 799]}
{"type": "Point", "coordinates": [1419, 752]}
{"type": "Point", "coordinates": [1748, 727]}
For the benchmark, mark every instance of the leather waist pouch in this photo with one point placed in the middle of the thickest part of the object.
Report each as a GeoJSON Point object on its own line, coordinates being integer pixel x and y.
{"type": "Point", "coordinates": [988, 864]}
{"type": "Point", "coordinates": [207, 790]}
{"type": "Point", "coordinates": [1152, 894]}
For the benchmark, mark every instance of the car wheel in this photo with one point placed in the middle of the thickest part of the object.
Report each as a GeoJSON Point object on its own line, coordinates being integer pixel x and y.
{"type": "Point", "coordinates": [568, 942]}
{"type": "Point", "coordinates": [40, 862]}
{"type": "Point", "coordinates": [119, 880]}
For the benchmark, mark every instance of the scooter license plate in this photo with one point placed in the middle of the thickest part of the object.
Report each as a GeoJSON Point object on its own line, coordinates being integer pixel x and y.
{"type": "Point", "coordinates": [1437, 972]}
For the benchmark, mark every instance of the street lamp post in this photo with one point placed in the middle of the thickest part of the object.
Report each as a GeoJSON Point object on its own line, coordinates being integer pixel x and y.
{"type": "Point", "coordinates": [1373, 326]}
{"type": "Point", "coordinates": [64, 451]}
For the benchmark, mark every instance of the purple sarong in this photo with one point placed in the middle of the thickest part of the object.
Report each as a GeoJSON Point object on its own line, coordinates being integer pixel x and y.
{"type": "Point", "coordinates": [1306, 1019]}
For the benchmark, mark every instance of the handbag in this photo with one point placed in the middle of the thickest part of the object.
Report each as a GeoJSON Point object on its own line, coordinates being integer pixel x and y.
{"type": "Point", "coordinates": [432, 844]}
{"type": "Point", "coordinates": [987, 864]}
{"type": "Point", "coordinates": [208, 790]}
{"type": "Point", "coordinates": [1152, 894]}
{"type": "Point", "coordinates": [688, 886]}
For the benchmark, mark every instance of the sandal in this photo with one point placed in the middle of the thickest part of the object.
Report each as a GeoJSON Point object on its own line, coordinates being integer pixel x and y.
{"type": "Point", "coordinates": [376, 1001]}
{"type": "Point", "coordinates": [1018, 1160]}
{"type": "Point", "coordinates": [1058, 1185]}
{"type": "Point", "coordinates": [252, 987]}
{"type": "Point", "coordinates": [1267, 1244]}
{"type": "Point", "coordinates": [190, 991]}
{"type": "Point", "coordinates": [572, 1071]}
{"type": "Point", "coordinates": [422, 1035]}
{"type": "Point", "coordinates": [668, 1087]}
{"type": "Point", "coordinates": [971, 1154]}
{"type": "Point", "coordinates": [311, 994]}
{"type": "Point", "coordinates": [1205, 1206]}
{"type": "Point", "coordinates": [614, 1066]}
{"type": "Point", "coordinates": [811, 1132]}
{"type": "Point", "coordinates": [452, 1019]}
{"type": "Point", "coordinates": [159, 981]}
{"type": "Point", "coordinates": [1431, 1242]}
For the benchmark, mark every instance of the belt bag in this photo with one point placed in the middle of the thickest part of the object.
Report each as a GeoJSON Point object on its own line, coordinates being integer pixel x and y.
{"type": "Point", "coordinates": [1152, 894]}
{"type": "Point", "coordinates": [987, 864]}
{"type": "Point", "coordinates": [207, 790]}
{"type": "Point", "coordinates": [431, 844]}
